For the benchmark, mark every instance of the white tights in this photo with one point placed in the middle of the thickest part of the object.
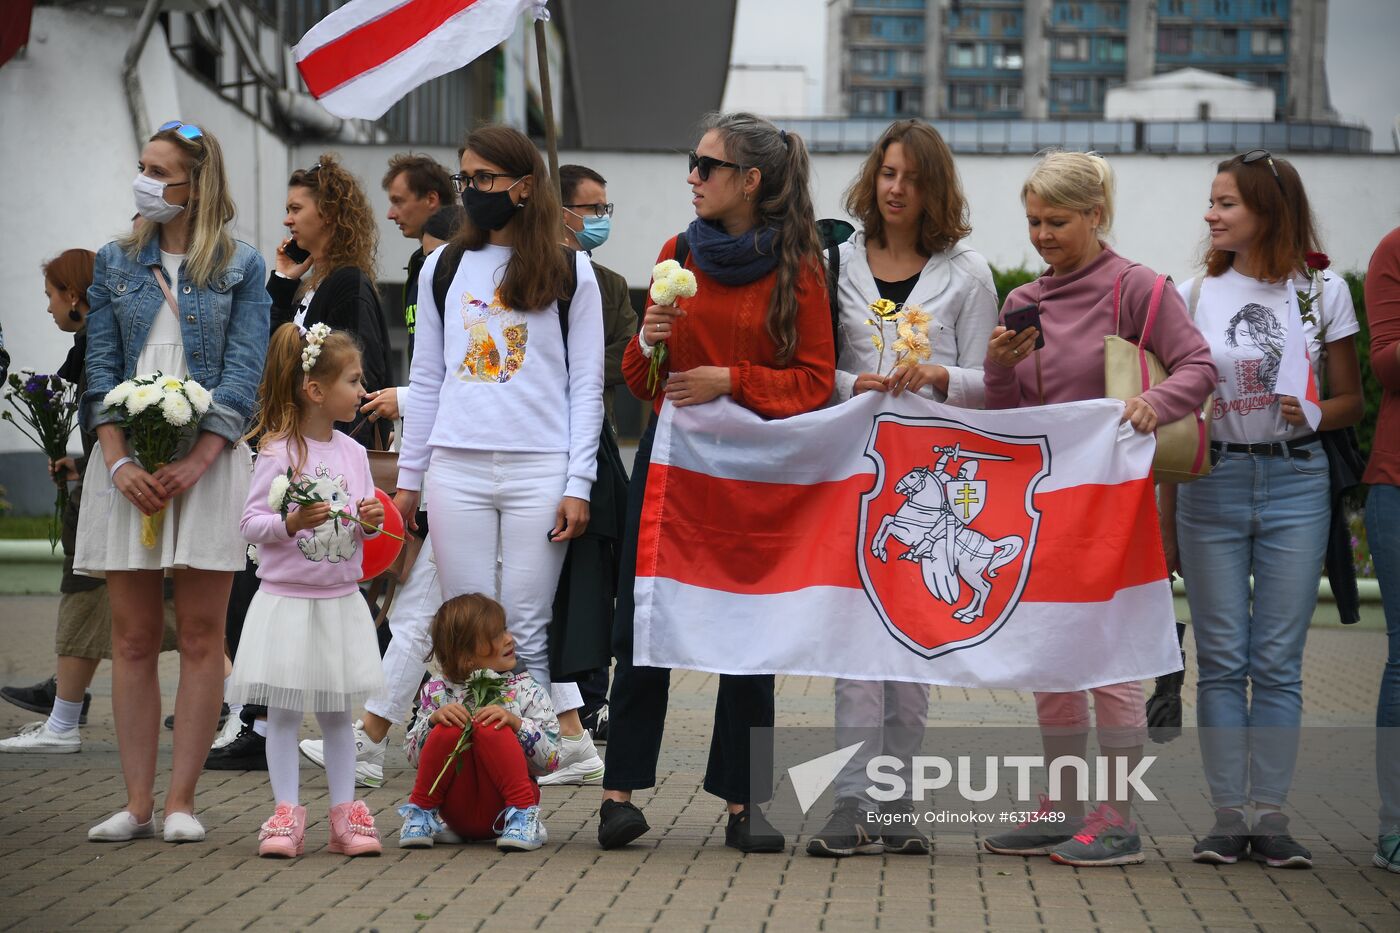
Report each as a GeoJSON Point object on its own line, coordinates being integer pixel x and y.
{"type": "Point", "coordinates": [283, 760]}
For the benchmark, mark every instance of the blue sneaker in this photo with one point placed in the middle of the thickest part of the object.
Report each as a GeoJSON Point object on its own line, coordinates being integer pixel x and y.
{"type": "Point", "coordinates": [1388, 851]}
{"type": "Point", "coordinates": [419, 827]}
{"type": "Point", "coordinates": [522, 831]}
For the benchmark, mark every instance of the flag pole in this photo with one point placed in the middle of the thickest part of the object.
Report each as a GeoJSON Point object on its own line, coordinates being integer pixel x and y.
{"type": "Point", "coordinates": [547, 101]}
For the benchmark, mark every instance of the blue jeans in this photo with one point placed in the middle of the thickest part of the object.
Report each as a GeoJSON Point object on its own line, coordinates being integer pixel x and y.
{"type": "Point", "coordinates": [1383, 534]}
{"type": "Point", "coordinates": [1265, 517]}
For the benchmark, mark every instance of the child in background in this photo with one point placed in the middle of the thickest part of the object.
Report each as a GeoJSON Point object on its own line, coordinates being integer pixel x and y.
{"type": "Point", "coordinates": [490, 791]}
{"type": "Point", "coordinates": [308, 640]}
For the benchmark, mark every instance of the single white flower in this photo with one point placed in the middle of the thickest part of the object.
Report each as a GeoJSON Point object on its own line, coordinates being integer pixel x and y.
{"type": "Point", "coordinates": [143, 397]}
{"type": "Point", "coordinates": [176, 409]}
{"type": "Point", "coordinates": [663, 270]}
{"type": "Point", "coordinates": [253, 553]}
{"type": "Point", "coordinates": [663, 292]}
{"type": "Point", "coordinates": [199, 397]}
{"type": "Point", "coordinates": [277, 493]}
{"type": "Point", "coordinates": [683, 281]}
{"type": "Point", "coordinates": [119, 394]}
{"type": "Point", "coordinates": [170, 384]}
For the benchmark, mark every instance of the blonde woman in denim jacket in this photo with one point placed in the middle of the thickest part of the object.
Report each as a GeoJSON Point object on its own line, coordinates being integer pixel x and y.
{"type": "Point", "coordinates": [178, 295]}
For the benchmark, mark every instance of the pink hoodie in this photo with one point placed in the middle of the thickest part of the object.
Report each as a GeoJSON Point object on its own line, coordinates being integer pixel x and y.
{"type": "Point", "coordinates": [1076, 314]}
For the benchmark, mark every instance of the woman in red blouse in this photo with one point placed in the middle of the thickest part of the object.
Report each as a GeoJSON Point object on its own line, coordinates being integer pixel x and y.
{"type": "Point", "coordinates": [759, 330]}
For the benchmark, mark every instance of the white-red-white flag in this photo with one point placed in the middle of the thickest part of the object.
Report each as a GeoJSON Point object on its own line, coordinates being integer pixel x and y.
{"type": "Point", "coordinates": [900, 539]}
{"type": "Point", "coordinates": [362, 59]}
{"type": "Point", "coordinates": [1295, 371]}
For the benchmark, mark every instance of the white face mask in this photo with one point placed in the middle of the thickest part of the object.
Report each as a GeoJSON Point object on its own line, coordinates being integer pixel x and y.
{"type": "Point", "coordinates": [150, 200]}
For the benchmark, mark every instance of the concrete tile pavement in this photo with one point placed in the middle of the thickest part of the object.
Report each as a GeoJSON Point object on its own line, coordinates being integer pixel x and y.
{"type": "Point", "coordinates": [680, 877]}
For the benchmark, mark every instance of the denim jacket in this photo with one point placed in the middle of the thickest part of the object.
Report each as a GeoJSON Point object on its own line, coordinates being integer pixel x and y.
{"type": "Point", "coordinates": [224, 327]}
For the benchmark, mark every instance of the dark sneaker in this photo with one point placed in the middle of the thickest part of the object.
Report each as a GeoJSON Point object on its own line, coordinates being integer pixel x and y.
{"type": "Point", "coordinates": [619, 822]}
{"type": "Point", "coordinates": [170, 720]}
{"type": "Point", "coordinates": [247, 752]}
{"type": "Point", "coordinates": [1048, 828]}
{"type": "Point", "coordinates": [39, 698]}
{"type": "Point", "coordinates": [750, 831]}
{"type": "Point", "coordinates": [1106, 839]}
{"type": "Point", "coordinates": [1388, 851]}
{"type": "Point", "coordinates": [845, 833]}
{"type": "Point", "coordinates": [1272, 845]}
{"type": "Point", "coordinates": [901, 835]}
{"type": "Point", "coordinates": [1228, 841]}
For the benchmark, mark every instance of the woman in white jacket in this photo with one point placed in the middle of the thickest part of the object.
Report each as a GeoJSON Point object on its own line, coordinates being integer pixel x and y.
{"type": "Point", "coordinates": [910, 203]}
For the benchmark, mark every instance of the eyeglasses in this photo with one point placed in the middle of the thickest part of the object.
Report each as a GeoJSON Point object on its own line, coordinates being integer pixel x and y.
{"type": "Point", "coordinates": [187, 130]}
{"type": "Point", "coordinates": [482, 181]}
{"type": "Point", "coordinates": [1255, 155]}
{"type": "Point", "coordinates": [595, 210]}
{"type": "Point", "coordinates": [704, 165]}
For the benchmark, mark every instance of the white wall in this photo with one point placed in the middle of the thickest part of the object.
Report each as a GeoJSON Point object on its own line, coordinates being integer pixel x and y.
{"type": "Point", "coordinates": [1183, 103]}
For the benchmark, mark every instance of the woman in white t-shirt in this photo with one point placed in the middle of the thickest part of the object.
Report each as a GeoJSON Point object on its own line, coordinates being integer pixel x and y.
{"type": "Point", "coordinates": [1264, 512]}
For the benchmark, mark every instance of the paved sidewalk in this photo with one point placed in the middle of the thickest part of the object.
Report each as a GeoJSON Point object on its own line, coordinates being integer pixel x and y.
{"type": "Point", "coordinates": [678, 878]}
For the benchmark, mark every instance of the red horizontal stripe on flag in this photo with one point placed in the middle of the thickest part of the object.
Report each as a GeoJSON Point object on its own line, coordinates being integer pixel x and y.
{"type": "Point", "coordinates": [372, 44]}
{"type": "Point", "coordinates": [767, 538]}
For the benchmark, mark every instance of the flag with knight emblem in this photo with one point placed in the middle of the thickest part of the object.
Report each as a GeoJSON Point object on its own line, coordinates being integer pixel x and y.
{"type": "Point", "coordinates": [901, 539]}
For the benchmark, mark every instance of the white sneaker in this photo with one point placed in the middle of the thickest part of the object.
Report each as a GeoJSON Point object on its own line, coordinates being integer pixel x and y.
{"type": "Point", "coordinates": [232, 726]}
{"type": "Point", "coordinates": [183, 827]}
{"type": "Point", "coordinates": [369, 756]}
{"type": "Point", "coordinates": [578, 763]}
{"type": "Point", "coordinates": [37, 738]}
{"type": "Point", "coordinates": [122, 827]}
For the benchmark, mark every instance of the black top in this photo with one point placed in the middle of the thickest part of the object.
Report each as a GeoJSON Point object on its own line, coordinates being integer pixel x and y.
{"type": "Point", "coordinates": [898, 292]}
{"type": "Point", "coordinates": [346, 300]}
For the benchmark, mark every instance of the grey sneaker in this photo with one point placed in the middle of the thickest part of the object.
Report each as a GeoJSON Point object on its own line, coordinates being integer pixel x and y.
{"type": "Point", "coordinates": [1106, 839]}
{"type": "Point", "coordinates": [1228, 841]}
{"type": "Point", "coordinates": [1048, 828]}
{"type": "Point", "coordinates": [1388, 851]}
{"type": "Point", "coordinates": [844, 833]}
{"type": "Point", "coordinates": [1272, 845]}
{"type": "Point", "coordinates": [369, 756]}
{"type": "Point", "coordinates": [902, 836]}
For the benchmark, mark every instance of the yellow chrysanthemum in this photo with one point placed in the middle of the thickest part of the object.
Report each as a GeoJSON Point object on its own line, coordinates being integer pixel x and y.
{"type": "Point", "coordinates": [886, 309]}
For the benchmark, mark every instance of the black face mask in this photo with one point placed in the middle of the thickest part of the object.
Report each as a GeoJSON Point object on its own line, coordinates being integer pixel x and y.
{"type": "Point", "coordinates": [489, 210]}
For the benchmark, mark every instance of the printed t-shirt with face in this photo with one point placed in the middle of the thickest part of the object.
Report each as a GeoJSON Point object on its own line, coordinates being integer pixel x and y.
{"type": "Point", "coordinates": [1245, 322]}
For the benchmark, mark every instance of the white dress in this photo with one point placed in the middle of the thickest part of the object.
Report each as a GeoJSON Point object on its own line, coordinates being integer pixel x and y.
{"type": "Point", "coordinates": [198, 528]}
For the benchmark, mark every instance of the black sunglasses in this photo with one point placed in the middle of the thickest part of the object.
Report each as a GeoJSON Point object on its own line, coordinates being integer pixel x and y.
{"type": "Point", "coordinates": [1256, 155]}
{"type": "Point", "coordinates": [704, 165]}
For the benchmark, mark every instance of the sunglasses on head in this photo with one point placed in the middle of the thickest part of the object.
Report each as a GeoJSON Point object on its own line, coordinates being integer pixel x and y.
{"type": "Point", "coordinates": [704, 165]}
{"type": "Point", "coordinates": [187, 130]}
{"type": "Point", "coordinates": [1258, 155]}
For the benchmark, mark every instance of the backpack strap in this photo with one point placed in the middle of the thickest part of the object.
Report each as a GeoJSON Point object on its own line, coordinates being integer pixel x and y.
{"type": "Point", "coordinates": [443, 274]}
{"type": "Point", "coordinates": [833, 282]}
{"type": "Point", "coordinates": [571, 281]}
{"type": "Point", "coordinates": [682, 248]}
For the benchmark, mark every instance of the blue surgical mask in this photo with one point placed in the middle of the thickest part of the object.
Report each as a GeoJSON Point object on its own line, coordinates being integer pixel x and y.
{"type": "Point", "coordinates": [594, 233]}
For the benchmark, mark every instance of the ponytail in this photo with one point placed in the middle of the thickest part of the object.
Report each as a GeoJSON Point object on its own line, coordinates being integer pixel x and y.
{"type": "Point", "coordinates": [784, 203]}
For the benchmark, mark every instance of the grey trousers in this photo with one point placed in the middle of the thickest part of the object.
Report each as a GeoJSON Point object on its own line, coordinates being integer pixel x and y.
{"type": "Point", "coordinates": [888, 717]}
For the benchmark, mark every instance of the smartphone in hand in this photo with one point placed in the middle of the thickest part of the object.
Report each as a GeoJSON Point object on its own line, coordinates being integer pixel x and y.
{"type": "Point", "coordinates": [295, 253]}
{"type": "Point", "coordinates": [1018, 319]}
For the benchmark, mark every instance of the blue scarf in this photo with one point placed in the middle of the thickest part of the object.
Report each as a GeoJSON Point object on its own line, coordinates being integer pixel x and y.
{"type": "Point", "coordinates": [732, 260]}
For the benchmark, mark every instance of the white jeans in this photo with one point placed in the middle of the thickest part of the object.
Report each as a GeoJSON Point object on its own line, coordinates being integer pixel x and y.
{"type": "Point", "coordinates": [481, 503]}
{"type": "Point", "coordinates": [410, 620]}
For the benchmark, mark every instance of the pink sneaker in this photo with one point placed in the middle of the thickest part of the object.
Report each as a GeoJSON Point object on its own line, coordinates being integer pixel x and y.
{"type": "Point", "coordinates": [284, 833]}
{"type": "Point", "coordinates": [352, 830]}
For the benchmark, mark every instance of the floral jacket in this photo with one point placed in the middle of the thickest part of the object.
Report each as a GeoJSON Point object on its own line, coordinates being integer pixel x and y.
{"type": "Point", "coordinates": [539, 726]}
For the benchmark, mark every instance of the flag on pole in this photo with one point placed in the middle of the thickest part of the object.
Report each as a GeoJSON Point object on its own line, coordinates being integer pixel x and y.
{"type": "Point", "coordinates": [900, 539]}
{"type": "Point", "coordinates": [362, 59]}
{"type": "Point", "coordinates": [1295, 371]}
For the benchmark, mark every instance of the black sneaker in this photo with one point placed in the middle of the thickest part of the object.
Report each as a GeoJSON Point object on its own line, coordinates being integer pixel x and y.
{"type": "Point", "coordinates": [845, 833]}
{"type": "Point", "coordinates": [619, 822]}
{"type": "Point", "coordinates": [1272, 845]}
{"type": "Point", "coordinates": [750, 831]}
{"type": "Point", "coordinates": [901, 834]}
{"type": "Point", "coordinates": [247, 752]}
{"type": "Point", "coordinates": [596, 723]}
{"type": "Point", "coordinates": [39, 698]}
{"type": "Point", "coordinates": [1228, 841]}
{"type": "Point", "coordinates": [223, 718]}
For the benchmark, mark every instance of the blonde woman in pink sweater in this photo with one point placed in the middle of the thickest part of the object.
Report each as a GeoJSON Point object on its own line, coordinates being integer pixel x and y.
{"type": "Point", "coordinates": [1069, 209]}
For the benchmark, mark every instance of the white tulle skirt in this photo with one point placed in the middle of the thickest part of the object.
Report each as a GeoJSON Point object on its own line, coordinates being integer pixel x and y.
{"type": "Point", "coordinates": [317, 655]}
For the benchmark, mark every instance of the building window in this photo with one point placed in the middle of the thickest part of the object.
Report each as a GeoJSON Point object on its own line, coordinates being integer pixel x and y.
{"type": "Point", "coordinates": [867, 102]}
{"type": "Point", "coordinates": [909, 62]}
{"type": "Point", "coordinates": [1072, 12]}
{"type": "Point", "coordinates": [1006, 97]}
{"type": "Point", "coordinates": [908, 101]}
{"type": "Point", "coordinates": [913, 28]}
{"type": "Point", "coordinates": [1072, 48]}
{"type": "Point", "coordinates": [1112, 50]}
{"type": "Point", "coordinates": [1222, 7]}
{"type": "Point", "coordinates": [1070, 90]}
{"type": "Point", "coordinates": [1177, 8]}
{"type": "Point", "coordinates": [962, 96]}
{"type": "Point", "coordinates": [1111, 11]}
{"type": "Point", "coordinates": [1219, 41]}
{"type": "Point", "coordinates": [1266, 42]}
{"type": "Point", "coordinates": [1268, 7]}
{"type": "Point", "coordinates": [1174, 40]}
{"type": "Point", "coordinates": [965, 55]}
{"type": "Point", "coordinates": [1007, 22]}
{"type": "Point", "coordinates": [1007, 57]}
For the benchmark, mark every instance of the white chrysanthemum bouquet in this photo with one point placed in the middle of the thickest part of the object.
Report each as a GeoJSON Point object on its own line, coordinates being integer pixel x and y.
{"type": "Point", "coordinates": [159, 413]}
{"type": "Point", "coordinates": [669, 281]}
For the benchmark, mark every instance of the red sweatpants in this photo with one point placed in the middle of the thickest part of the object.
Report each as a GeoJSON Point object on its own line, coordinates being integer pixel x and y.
{"type": "Point", "coordinates": [493, 776]}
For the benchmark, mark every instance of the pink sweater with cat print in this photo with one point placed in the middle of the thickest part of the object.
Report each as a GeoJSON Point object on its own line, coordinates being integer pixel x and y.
{"type": "Point", "coordinates": [320, 563]}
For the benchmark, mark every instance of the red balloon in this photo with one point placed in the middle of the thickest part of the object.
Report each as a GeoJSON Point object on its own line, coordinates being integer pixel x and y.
{"type": "Point", "coordinates": [382, 550]}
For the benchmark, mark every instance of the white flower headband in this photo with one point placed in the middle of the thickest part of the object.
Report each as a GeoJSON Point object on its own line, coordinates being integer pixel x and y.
{"type": "Point", "coordinates": [312, 351]}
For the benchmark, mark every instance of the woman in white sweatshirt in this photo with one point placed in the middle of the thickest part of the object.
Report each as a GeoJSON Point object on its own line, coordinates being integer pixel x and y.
{"type": "Point", "coordinates": [503, 438]}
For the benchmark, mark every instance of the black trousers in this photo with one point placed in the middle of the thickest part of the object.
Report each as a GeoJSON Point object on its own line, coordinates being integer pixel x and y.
{"type": "Point", "coordinates": [740, 768]}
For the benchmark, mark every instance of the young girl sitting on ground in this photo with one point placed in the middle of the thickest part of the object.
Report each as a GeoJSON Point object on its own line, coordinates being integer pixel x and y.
{"type": "Point", "coordinates": [489, 790]}
{"type": "Point", "coordinates": [308, 639]}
